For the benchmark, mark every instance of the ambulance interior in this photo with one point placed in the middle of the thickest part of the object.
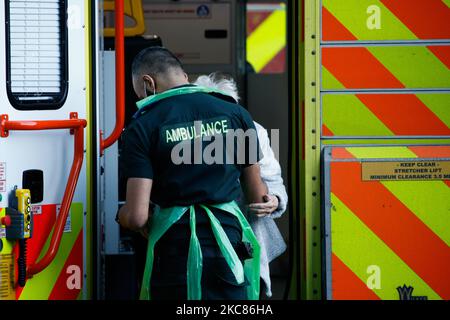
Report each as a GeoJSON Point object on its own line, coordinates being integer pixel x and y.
{"type": "Point", "coordinates": [245, 40]}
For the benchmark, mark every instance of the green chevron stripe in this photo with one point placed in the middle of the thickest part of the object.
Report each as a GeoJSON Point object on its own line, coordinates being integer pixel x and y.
{"type": "Point", "coordinates": [414, 66]}
{"type": "Point", "coordinates": [359, 247]}
{"type": "Point", "coordinates": [353, 15]}
{"type": "Point", "coordinates": [429, 202]}
{"type": "Point", "coordinates": [330, 81]}
{"type": "Point", "coordinates": [333, 142]}
{"type": "Point", "coordinates": [346, 115]}
{"type": "Point", "coordinates": [439, 103]}
{"type": "Point", "coordinates": [381, 152]}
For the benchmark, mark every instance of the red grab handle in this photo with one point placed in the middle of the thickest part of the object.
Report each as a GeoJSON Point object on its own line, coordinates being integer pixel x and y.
{"type": "Point", "coordinates": [120, 78]}
{"type": "Point", "coordinates": [76, 127]}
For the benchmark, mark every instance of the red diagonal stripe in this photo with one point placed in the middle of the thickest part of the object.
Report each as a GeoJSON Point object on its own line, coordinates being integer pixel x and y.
{"type": "Point", "coordinates": [255, 18]}
{"type": "Point", "coordinates": [428, 19]}
{"type": "Point", "coordinates": [357, 68]}
{"type": "Point", "coordinates": [60, 290]}
{"type": "Point", "coordinates": [442, 53]}
{"type": "Point", "coordinates": [341, 153]}
{"type": "Point", "coordinates": [365, 72]}
{"type": "Point", "coordinates": [404, 114]}
{"type": "Point", "coordinates": [368, 72]}
{"type": "Point", "coordinates": [332, 29]}
{"type": "Point", "coordinates": [346, 285]}
{"type": "Point", "coordinates": [277, 64]}
{"type": "Point", "coordinates": [414, 242]}
{"type": "Point", "coordinates": [326, 132]}
{"type": "Point", "coordinates": [431, 151]}
{"type": "Point", "coordinates": [42, 225]}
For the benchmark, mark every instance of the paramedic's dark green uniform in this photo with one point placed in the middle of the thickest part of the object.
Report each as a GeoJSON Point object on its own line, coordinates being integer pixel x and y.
{"type": "Point", "coordinates": [146, 153]}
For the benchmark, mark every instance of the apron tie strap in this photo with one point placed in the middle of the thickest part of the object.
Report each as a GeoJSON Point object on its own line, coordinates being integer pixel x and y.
{"type": "Point", "coordinates": [163, 219]}
{"type": "Point", "coordinates": [194, 263]}
{"type": "Point", "coordinates": [226, 248]}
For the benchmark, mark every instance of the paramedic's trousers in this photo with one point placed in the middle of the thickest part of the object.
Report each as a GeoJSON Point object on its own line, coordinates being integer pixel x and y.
{"type": "Point", "coordinates": [168, 280]}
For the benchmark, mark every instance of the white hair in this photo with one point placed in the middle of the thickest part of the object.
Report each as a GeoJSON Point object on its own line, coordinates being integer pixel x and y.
{"type": "Point", "coordinates": [227, 86]}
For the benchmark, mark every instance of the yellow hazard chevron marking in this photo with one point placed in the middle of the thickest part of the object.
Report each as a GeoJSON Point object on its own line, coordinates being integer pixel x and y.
{"type": "Point", "coordinates": [267, 40]}
{"type": "Point", "coordinates": [353, 14]}
{"type": "Point", "coordinates": [391, 63]}
{"type": "Point", "coordinates": [364, 114]}
{"type": "Point", "coordinates": [439, 103]}
{"type": "Point", "coordinates": [330, 79]}
{"type": "Point", "coordinates": [386, 19]}
{"type": "Point", "coordinates": [381, 153]}
{"type": "Point", "coordinates": [336, 110]}
{"type": "Point", "coordinates": [429, 200]}
{"type": "Point", "coordinates": [418, 196]}
{"type": "Point", "coordinates": [41, 285]}
{"type": "Point", "coordinates": [428, 70]}
{"type": "Point", "coordinates": [385, 142]}
{"type": "Point", "coordinates": [359, 248]}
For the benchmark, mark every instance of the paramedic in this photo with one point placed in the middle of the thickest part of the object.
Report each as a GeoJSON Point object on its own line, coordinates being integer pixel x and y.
{"type": "Point", "coordinates": [192, 194]}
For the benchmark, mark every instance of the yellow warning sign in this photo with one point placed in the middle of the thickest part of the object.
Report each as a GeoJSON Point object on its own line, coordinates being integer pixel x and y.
{"type": "Point", "coordinates": [406, 170]}
{"type": "Point", "coordinates": [7, 277]}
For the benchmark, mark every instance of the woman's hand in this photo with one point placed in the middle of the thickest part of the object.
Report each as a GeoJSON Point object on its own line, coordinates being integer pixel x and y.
{"type": "Point", "coordinates": [266, 208]}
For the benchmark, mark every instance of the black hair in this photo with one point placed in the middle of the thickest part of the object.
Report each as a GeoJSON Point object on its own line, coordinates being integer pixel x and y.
{"type": "Point", "coordinates": [155, 61]}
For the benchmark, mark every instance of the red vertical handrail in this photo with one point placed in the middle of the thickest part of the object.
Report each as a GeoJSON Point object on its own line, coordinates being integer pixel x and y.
{"type": "Point", "coordinates": [77, 129]}
{"type": "Point", "coordinates": [120, 78]}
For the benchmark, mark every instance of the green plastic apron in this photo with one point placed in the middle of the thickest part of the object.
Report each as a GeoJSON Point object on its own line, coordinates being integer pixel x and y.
{"type": "Point", "coordinates": [146, 103]}
{"type": "Point", "coordinates": [163, 219]}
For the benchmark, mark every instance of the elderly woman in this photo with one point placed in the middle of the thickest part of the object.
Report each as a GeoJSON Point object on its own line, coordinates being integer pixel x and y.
{"type": "Point", "coordinates": [260, 215]}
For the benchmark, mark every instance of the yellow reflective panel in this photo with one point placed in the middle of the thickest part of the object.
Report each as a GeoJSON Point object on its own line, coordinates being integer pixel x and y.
{"type": "Point", "coordinates": [266, 37]}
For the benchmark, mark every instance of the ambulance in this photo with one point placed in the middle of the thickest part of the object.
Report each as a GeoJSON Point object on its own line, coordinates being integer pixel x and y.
{"type": "Point", "coordinates": [359, 91]}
